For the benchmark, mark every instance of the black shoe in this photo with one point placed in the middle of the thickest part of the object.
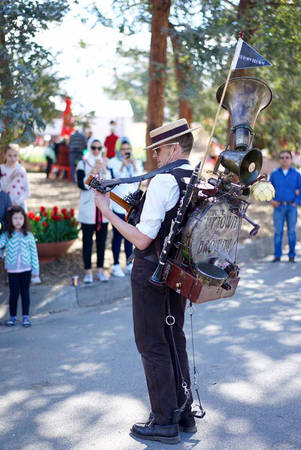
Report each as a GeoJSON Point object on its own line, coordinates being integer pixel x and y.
{"type": "Point", "coordinates": [187, 423]}
{"type": "Point", "coordinates": [276, 260]}
{"type": "Point", "coordinates": [169, 434]}
{"type": "Point", "coordinates": [291, 259]}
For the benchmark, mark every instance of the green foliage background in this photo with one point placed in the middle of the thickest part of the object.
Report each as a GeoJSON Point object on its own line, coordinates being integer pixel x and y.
{"type": "Point", "coordinates": [208, 31]}
{"type": "Point", "coordinates": [27, 81]}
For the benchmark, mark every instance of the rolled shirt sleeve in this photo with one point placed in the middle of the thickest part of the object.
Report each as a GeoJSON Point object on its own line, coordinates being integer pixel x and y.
{"type": "Point", "coordinates": [162, 195]}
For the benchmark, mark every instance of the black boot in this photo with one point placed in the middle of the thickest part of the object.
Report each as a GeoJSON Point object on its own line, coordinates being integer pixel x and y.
{"type": "Point", "coordinates": [168, 434]}
{"type": "Point", "coordinates": [187, 423]}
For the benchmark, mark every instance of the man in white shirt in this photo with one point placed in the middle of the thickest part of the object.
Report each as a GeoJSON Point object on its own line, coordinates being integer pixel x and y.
{"type": "Point", "coordinates": [162, 348]}
{"type": "Point", "coordinates": [122, 166]}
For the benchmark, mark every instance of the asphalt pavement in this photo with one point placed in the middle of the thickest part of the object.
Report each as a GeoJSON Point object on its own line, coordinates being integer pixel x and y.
{"type": "Point", "coordinates": [74, 380]}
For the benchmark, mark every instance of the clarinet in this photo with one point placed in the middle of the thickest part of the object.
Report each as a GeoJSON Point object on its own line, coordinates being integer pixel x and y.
{"type": "Point", "coordinates": [157, 278]}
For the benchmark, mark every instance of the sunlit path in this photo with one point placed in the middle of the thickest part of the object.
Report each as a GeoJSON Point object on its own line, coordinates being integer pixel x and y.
{"type": "Point", "coordinates": [75, 381]}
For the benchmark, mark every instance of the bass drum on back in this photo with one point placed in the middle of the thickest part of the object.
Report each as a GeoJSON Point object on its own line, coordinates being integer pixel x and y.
{"type": "Point", "coordinates": [209, 239]}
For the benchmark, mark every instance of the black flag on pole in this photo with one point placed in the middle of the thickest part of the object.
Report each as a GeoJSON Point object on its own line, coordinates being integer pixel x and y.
{"type": "Point", "coordinates": [246, 57]}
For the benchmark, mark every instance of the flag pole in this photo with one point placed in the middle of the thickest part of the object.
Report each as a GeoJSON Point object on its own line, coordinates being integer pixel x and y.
{"type": "Point", "coordinates": [214, 124]}
{"type": "Point", "coordinates": [233, 65]}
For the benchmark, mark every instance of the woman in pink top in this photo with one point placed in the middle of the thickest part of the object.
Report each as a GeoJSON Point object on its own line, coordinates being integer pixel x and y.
{"type": "Point", "coordinates": [14, 178]}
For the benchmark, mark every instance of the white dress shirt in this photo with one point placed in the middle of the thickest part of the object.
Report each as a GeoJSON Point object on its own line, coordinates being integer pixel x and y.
{"type": "Point", "coordinates": [161, 196]}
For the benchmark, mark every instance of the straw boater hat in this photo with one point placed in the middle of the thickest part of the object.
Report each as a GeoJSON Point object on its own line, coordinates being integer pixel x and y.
{"type": "Point", "coordinates": [168, 132]}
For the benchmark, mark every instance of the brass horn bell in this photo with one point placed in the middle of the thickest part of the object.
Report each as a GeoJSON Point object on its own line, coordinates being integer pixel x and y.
{"type": "Point", "coordinates": [245, 164]}
{"type": "Point", "coordinates": [244, 99]}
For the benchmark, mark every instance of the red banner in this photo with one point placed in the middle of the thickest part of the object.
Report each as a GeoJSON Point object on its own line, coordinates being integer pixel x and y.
{"type": "Point", "coordinates": [68, 119]}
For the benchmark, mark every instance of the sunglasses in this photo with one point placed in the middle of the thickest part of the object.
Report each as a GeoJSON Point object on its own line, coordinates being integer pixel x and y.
{"type": "Point", "coordinates": [158, 149]}
{"type": "Point", "coordinates": [285, 157]}
{"type": "Point", "coordinates": [95, 148]}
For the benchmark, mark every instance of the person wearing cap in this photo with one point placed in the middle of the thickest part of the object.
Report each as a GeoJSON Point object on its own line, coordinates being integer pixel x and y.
{"type": "Point", "coordinates": [123, 165]}
{"type": "Point", "coordinates": [162, 361]}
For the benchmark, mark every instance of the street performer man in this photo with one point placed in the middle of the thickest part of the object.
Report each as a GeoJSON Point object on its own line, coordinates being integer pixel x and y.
{"type": "Point", "coordinates": [163, 350]}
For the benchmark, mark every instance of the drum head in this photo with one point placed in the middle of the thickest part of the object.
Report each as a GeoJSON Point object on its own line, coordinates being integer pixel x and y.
{"type": "Point", "coordinates": [208, 273]}
{"type": "Point", "coordinates": [211, 232]}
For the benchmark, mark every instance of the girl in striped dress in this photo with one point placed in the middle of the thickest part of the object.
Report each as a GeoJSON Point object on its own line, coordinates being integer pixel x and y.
{"type": "Point", "coordinates": [21, 262]}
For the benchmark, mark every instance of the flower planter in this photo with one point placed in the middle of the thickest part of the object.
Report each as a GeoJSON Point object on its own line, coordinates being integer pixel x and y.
{"type": "Point", "coordinates": [49, 251]}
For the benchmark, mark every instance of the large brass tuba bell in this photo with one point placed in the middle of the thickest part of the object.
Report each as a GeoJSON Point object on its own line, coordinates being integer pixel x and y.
{"type": "Point", "coordinates": [244, 99]}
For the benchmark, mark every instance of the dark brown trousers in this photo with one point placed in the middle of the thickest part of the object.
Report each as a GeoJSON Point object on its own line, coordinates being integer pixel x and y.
{"type": "Point", "coordinates": [154, 343]}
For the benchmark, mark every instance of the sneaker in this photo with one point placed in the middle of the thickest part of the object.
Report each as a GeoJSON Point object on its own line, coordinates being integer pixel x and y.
{"type": "Point", "coordinates": [117, 271]}
{"type": "Point", "coordinates": [11, 322]}
{"type": "Point", "coordinates": [101, 276]}
{"type": "Point", "coordinates": [128, 269]}
{"type": "Point", "coordinates": [88, 278]}
{"type": "Point", "coordinates": [276, 259]}
{"type": "Point", "coordinates": [35, 280]}
{"type": "Point", "coordinates": [26, 322]}
{"type": "Point", "coordinates": [291, 259]}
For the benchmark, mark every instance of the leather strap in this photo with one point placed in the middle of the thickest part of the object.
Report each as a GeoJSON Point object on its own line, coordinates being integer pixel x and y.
{"type": "Point", "coordinates": [107, 185]}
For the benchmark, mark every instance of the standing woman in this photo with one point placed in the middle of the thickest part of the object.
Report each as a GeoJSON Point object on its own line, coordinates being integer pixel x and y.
{"type": "Point", "coordinates": [89, 215]}
{"type": "Point", "coordinates": [14, 177]}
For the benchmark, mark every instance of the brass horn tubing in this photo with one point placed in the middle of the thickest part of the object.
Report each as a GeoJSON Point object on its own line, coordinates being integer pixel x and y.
{"type": "Point", "coordinates": [243, 136]}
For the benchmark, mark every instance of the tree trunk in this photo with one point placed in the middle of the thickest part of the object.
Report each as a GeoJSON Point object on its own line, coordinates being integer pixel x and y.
{"type": "Point", "coordinates": [181, 72]}
{"type": "Point", "coordinates": [244, 10]}
{"type": "Point", "coordinates": [6, 89]}
{"type": "Point", "coordinates": [157, 70]}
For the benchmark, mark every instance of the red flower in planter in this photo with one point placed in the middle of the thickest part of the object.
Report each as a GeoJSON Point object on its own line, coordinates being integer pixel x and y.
{"type": "Point", "coordinates": [45, 225]}
{"type": "Point", "coordinates": [72, 212]}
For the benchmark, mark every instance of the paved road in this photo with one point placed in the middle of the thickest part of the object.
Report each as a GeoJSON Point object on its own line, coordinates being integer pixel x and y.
{"type": "Point", "coordinates": [74, 380]}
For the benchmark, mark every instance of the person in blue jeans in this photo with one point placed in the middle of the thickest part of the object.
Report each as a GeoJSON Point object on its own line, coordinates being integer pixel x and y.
{"type": "Point", "coordinates": [287, 183]}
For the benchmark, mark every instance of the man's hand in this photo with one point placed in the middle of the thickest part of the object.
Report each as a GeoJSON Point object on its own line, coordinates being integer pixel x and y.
{"type": "Point", "coordinates": [102, 201]}
{"type": "Point", "coordinates": [275, 203]}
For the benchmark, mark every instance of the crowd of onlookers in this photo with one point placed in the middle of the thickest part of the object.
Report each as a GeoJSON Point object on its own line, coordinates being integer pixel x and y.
{"type": "Point", "coordinates": [85, 155]}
